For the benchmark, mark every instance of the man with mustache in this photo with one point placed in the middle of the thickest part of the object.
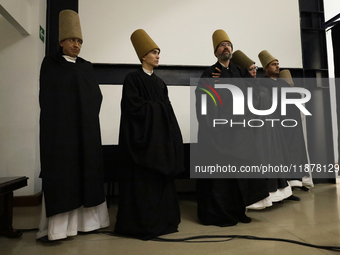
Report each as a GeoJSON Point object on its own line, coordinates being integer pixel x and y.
{"type": "Point", "coordinates": [70, 141]}
{"type": "Point", "coordinates": [223, 201]}
{"type": "Point", "coordinates": [294, 138]}
{"type": "Point", "coordinates": [223, 49]}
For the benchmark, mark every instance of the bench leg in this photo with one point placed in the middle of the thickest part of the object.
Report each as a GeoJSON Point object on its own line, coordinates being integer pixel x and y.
{"type": "Point", "coordinates": [6, 217]}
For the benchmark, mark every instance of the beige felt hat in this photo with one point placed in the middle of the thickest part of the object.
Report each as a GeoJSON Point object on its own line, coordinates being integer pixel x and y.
{"type": "Point", "coordinates": [69, 25]}
{"type": "Point", "coordinates": [285, 74]}
{"type": "Point", "coordinates": [142, 43]}
{"type": "Point", "coordinates": [265, 58]}
{"type": "Point", "coordinates": [241, 59]}
{"type": "Point", "coordinates": [219, 36]}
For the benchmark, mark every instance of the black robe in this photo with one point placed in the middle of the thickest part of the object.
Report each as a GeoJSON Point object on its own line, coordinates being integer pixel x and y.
{"type": "Point", "coordinates": [152, 153]}
{"type": "Point", "coordinates": [70, 141]}
{"type": "Point", "coordinates": [222, 202]}
{"type": "Point", "coordinates": [271, 143]}
{"type": "Point", "coordinates": [293, 136]}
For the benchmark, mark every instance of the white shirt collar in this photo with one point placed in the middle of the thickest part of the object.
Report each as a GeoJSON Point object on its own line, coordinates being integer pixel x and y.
{"type": "Point", "coordinates": [147, 71]}
{"type": "Point", "coordinates": [70, 59]}
{"type": "Point", "coordinates": [224, 65]}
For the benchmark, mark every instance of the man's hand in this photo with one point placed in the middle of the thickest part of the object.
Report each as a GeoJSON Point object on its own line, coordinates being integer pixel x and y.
{"type": "Point", "coordinates": [217, 73]}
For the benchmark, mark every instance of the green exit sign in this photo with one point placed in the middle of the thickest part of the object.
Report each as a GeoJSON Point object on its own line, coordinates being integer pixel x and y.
{"type": "Point", "coordinates": [42, 34]}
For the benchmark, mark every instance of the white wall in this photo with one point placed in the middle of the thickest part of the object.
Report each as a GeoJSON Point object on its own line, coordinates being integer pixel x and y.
{"type": "Point", "coordinates": [20, 60]}
{"type": "Point", "coordinates": [183, 29]}
{"type": "Point", "coordinates": [17, 13]}
{"type": "Point", "coordinates": [110, 111]}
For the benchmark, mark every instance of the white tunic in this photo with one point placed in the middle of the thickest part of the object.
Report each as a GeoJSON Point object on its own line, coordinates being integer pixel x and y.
{"type": "Point", "coordinates": [69, 223]}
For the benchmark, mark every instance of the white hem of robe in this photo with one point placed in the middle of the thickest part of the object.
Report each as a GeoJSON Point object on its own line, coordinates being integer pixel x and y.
{"type": "Point", "coordinates": [295, 183]}
{"type": "Point", "coordinates": [66, 224]}
{"type": "Point", "coordinates": [307, 181]}
{"type": "Point", "coordinates": [267, 202]}
{"type": "Point", "coordinates": [281, 194]}
{"type": "Point", "coordinates": [276, 196]}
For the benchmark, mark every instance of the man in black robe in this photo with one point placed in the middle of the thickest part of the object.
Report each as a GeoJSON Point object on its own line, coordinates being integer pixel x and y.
{"type": "Point", "coordinates": [151, 144]}
{"type": "Point", "coordinates": [70, 140]}
{"type": "Point", "coordinates": [294, 138]}
{"type": "Point", "coordinates": [223, 202]}
{"type": "Point", "coordinates": [270, 141]}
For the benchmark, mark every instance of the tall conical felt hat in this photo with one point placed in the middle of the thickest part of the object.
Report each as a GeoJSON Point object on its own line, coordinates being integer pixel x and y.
{"type": "Point", "coordinates": [69, 25]}
{"type": "Point", "coordinates": [219, 36]}
{"type": "Point", "coordinates": [142, 43]}
{"type": "Point", "coordinates": [241, 59]}
{"type": "Point", "coordinates": [265, 58]}
{"type": "Point", "coordinates": [285, 74]}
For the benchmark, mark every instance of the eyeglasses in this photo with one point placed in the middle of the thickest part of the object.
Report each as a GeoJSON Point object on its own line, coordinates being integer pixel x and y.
{"type": "Point", "coordinates": [225, 44]}
{"type": "Point", "coordinates": [253, 69]}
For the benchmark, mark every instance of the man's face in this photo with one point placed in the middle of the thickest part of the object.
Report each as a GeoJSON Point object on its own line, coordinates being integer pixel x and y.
{"type": "Point", "coordinates": [273, 69]}
{"type": "Point", "coordinates": [252, 70]}
{"type": "Point", "coordinates": [151, 59]}
{"type": "Point", "coordinates": [224, 51]}
{"type": "Point", "coordinates": [71, 46]}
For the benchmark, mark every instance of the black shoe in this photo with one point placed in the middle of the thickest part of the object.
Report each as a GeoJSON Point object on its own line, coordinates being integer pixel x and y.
{"type": "Point", "coordinates": [293, 198]}
{"type": "Point", "coordinates": [304, 188]}
{"type": "Point", "coordinates": [244, 219]}
{"type": "Point", "coordinates": [44, 239]}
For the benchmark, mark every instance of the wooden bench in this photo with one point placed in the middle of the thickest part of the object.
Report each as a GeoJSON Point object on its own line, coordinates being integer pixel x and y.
{"type": "Point", "coordinates": [7, 186]}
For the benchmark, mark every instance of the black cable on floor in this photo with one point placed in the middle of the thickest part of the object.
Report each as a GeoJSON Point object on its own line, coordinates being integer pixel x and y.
{"type": "Point", "coordinates": [231, 237]}
{"type": "Point", "coordinates": [226, 238]}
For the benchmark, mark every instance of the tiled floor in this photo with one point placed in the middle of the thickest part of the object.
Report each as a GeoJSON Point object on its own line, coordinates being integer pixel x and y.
{"type": "Point", "coordinates": [315, 219]}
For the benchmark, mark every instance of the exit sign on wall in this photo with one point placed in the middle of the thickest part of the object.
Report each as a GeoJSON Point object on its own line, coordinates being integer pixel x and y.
{"type": "Point", "coordinates": [42, 34]}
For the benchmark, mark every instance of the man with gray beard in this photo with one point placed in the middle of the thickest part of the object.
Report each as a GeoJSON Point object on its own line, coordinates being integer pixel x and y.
{"type": "Point", "coordinates": [223, 52]}
{"type": "Point", "coordinates": [223, 201]}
